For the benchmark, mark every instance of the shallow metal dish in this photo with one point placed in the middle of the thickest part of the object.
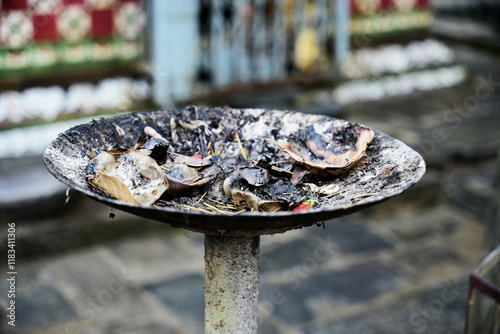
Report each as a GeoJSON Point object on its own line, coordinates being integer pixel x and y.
{"type": "Point", "coordinates": [389, 168]}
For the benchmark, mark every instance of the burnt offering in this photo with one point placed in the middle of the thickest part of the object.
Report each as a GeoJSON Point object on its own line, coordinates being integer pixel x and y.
{"type": "Point", "coordinates": [246, 169]}
{"type": "Point", "coordinates": [233, 175]}
{"type": "Point", "coordinates": [256, 167]}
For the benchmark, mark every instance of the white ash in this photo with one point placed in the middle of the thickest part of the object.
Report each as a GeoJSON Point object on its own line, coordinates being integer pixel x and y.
{"type": "Point", "coordinates": [259, 129]}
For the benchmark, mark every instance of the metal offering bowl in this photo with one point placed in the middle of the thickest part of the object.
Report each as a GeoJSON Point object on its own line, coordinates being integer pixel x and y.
{"type": "Point", "coordinates": [389, 168]}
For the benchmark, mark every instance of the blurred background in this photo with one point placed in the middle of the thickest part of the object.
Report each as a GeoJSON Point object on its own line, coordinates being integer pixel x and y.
{"type": "Point", "coordinates": [426, 72]}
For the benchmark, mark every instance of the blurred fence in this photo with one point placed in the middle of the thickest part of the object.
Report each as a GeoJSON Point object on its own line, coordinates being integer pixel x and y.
{"type": "Point", "coordinates": [255, 40]}
{"type": "Point", "coordinates": [221, 42]}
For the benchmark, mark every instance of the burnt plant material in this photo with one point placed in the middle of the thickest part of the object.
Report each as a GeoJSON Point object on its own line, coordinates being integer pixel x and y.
{"type": "Point", "coordinates": [326, 151]}
{"type": "Point", "coordinates": [199, 148]}
{"type": "Point", "coordinates": [254, 188]}
{"type": "Point", "coordinates": [257, 174]}
{"type": "Point", "coordinates": [127, 175]}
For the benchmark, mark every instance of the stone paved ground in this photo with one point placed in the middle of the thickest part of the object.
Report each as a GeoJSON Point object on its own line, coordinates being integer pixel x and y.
{"type": "Point", "coordinates": [399, 267]}
{"type": "Point", "coordinates": [391, 269]}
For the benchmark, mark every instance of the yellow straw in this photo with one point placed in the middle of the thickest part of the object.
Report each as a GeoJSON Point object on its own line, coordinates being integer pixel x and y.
{"type": "Point", "coordinates": [243, 154]}
{"type": "Point", "coordinates": [279, 162]}
{"type": "Point", "coordinates": [201, 210]}
{"type": "Point", "coordinates": [202, 197]}
{"type": "Point", "coordinates": [280, 169]}
{"type": "Point", "coordinates": [214, 208]}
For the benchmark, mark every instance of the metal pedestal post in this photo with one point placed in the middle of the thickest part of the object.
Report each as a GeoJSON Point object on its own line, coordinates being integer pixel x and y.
{"type": "Point", "coordinates": [231, 284]}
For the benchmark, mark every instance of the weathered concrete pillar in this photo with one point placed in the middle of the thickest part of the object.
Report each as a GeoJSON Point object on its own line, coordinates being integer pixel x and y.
{"type": "Point", "coordinates": [231, 284]}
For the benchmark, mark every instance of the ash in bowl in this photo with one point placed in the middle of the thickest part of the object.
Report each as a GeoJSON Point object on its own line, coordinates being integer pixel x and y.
{"type": "Point", "coordinates": [214, 160]}
{"type": "Point", "coordinates": [228, 162]}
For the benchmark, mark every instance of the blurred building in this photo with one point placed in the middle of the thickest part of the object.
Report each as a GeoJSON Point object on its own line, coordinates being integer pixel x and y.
{"type": "Point", "coordinates": [68, 60]}
{"type": "Point", "coordinates": [65, 62]}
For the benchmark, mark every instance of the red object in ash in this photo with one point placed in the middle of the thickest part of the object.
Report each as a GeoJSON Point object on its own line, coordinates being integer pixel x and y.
{"type": "Point", "coordinates": [199, 156]}
{"type": "Point", "coordinates": [302, 207]}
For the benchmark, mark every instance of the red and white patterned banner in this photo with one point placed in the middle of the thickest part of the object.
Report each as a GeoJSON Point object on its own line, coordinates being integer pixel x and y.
{"type": "Point", "coordinates": [32, 21]}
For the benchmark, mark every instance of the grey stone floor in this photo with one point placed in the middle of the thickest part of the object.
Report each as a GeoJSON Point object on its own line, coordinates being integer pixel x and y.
{"type": "Point", "coordinates": [399, 267]}
{"type": "Point", "coordinates": [391, 269]}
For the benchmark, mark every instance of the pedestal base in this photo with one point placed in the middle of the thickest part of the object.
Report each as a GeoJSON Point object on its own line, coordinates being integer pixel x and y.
{"type": "Point", "coordinates": [231, 284]}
